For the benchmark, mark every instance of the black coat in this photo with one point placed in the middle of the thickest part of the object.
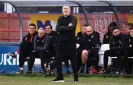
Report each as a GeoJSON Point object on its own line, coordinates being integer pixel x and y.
{"type": "Point", "coordinates": [53, 43]}
{"type": "Point", "coordinates": [26, 47]}
{"type": "Point", "coordinates": [42, 44]}
{"type": "Point", "coordinates": [66, 39]}
{"type": "Point", "coordinates": [79, 34]}
{"type": "Point", "coordinates": [128, 43]}
{"type": "Point", "coordinates": [89, 41]}
{"type": "Point", "coordinates": [118, 43]}
{"type": "Point", "coordinates": [53, 35]}
{"type": "Point", "coordinates": [106, 38]}
{"type": "Point", "coordinates": [65, 32]}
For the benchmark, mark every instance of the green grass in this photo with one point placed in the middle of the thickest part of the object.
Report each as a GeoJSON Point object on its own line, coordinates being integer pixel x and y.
{"type": "Point", "coordinates": [40, 80]}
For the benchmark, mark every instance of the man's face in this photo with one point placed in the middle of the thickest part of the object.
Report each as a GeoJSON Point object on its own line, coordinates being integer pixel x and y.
{"type": "Point", "coordinates": [116, 32]}
{"type": "Point", "coordinates": [41, 33]}
{"type": "Point", "coordinates": [66, 10]}
{"type": "Point", "coordinates": [131, 33]}
{"type": "Point", "coordinates": [127, 28]}
{"type": "Point", "coordinates": [48, 29]}
{"type": "Point", "coordinates": [83, 29]}
{"type": "Point", "coordinates": [32, 29]}
{"type": "Point", "coordinates": [89, 30]}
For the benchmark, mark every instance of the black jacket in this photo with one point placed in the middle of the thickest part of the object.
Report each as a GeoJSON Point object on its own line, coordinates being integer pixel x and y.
{"type": "Point", "coordinates": [79, 34]}
{"type": "Point", "coordinates": [53, 36]}
{"type": "Point", "coordinates": [106, 38]}
{"type": "Point", "coordinates": [26, 46]}
{"type": "Point", "coordinates": [65, 28]}
{"type": "Point", "coordinates": [117, 43]}
{"type": "Point", "coordinates": [42, 44]}
{"type": "Point", "coordinates": [128, 43]}
{"type": "Point", "coordinates": [89, 41]}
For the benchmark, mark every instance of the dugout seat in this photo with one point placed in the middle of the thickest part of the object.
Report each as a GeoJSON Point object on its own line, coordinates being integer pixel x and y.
{"type": "Point", "coordinates": [103, 48]}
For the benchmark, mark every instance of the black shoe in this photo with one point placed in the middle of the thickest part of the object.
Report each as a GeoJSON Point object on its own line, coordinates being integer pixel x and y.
{"type": "Point", "coordinates": [117, 71]}
{"type": "Point", "coordinates": [29, 72]}
{"type": "Point", "coordinates": [107, 71]}
{"type": "Point", "coordinates": [123, 71]}
{"type": "Point", "coordinates": [68, 72]}
{"type": "Point", "coordinates": [12, 55]}
{"type": "Point", "coordinates": [58, 80]}
{"type": "Point", "coordinates": [76, 79]}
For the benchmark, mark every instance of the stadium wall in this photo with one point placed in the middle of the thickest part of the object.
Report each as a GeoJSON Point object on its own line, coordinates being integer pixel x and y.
{"type": "Point", "coordinates": [10, 30]}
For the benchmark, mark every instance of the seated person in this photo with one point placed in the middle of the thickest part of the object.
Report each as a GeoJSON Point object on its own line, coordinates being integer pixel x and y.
{"type": "Point", "coordinates": [53, 35]}
{"type": "Point", "coordinates": [128, 52]}
{"type": "Point", "coordinates": [26, 47]}
{"type": "Point", "coordinates": [82, 31]}
{"type": "Point", "coordinates": [106, 40]}
{"type": "Point", "coordinates": [116, 49]}
{"type": "Point", "coordinates": [126, 29]}
{"type": "Point", "coordinates": [89, 46]}
{"type": "Point", "coordinates": [79, 34]}
{"type": "Point", "coordinates": [106, 37]}
{"type": "Point", "coordinates": [42, 44]}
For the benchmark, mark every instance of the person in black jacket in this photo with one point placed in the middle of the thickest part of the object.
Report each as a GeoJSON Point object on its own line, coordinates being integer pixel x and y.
{"type": "Point", "coordinates": [26, 47]}
{"type": "Point", "coordinates": [79, 34]}
{"type": "Point", "coordinates": [66, 43]}
{"type": "Point", "coordinates": [89, 45]}
{"type": "Point", "coordinates": [128, 26]}
{"type": "Point", "coordinates": [116, 44]}
{"type": "Point", "coordinates": [83, 30]}
{"type": "Point", "coordinates": [109, 33]}
{"type": "Point", "coordinates": [128, 52]}
{"type": "Point", "coordinates": [53, 35]}
{"type": "Point", "coordinates": [42, 44]}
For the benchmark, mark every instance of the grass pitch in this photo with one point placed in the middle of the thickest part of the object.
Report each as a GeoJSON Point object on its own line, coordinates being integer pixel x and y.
{"type": "Point", "coordinates": [40, 80]}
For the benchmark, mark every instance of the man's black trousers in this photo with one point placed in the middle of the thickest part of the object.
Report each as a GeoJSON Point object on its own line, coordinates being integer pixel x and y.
{"type": "Point", "coordinates": [93, 58]}
{"type": "Point", "coordinates": [65, 51]}
{"type": "Point", "coordinates": [113, 53]}
{"type": "Point", "coordinates": [22, 57]}
{"type": "Point", "coordinates": [128, 65]}
{"type": "Point", "coordinates": [44, 56]}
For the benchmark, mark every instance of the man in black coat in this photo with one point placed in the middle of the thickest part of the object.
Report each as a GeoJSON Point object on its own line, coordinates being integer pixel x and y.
{"type": "Point", "coordinates": [116, 43]}
{"type": "Point", "coordinates": [42, 45]}
{"type": "Point", "coordinates": [66, 43]}
{"type": "Point", "coordinates": [83, 30]}
{"type": "Point", "coordinates": [53, 35]}
{"type": "Point", "coordinates": [26, 47]}
{"type": "Point", "coordinates": [107, 36]}
{"type": "Point", "coordinates": [89, 45]}
{"type": "Point", "coordinates": [128, 51]}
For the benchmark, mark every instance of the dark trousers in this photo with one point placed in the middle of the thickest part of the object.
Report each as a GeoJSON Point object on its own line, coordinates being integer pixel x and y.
{"type": "Point", "coordinates": [113, 53]}
{"type": "Point", "coordinates": [66, 61]}
{"type": "Point", "coordinates": [126, 64]}
{"type": "Point", "coordinates": [65, 51]}
{"type": "Point", "coordinates": [22, 57]}
{"type": "Point", "coordinates": [79, 61]}
{"type": "Point", "coordinates": [45, 57]}
{"type": "Point", "coordinates": [93, 58]}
